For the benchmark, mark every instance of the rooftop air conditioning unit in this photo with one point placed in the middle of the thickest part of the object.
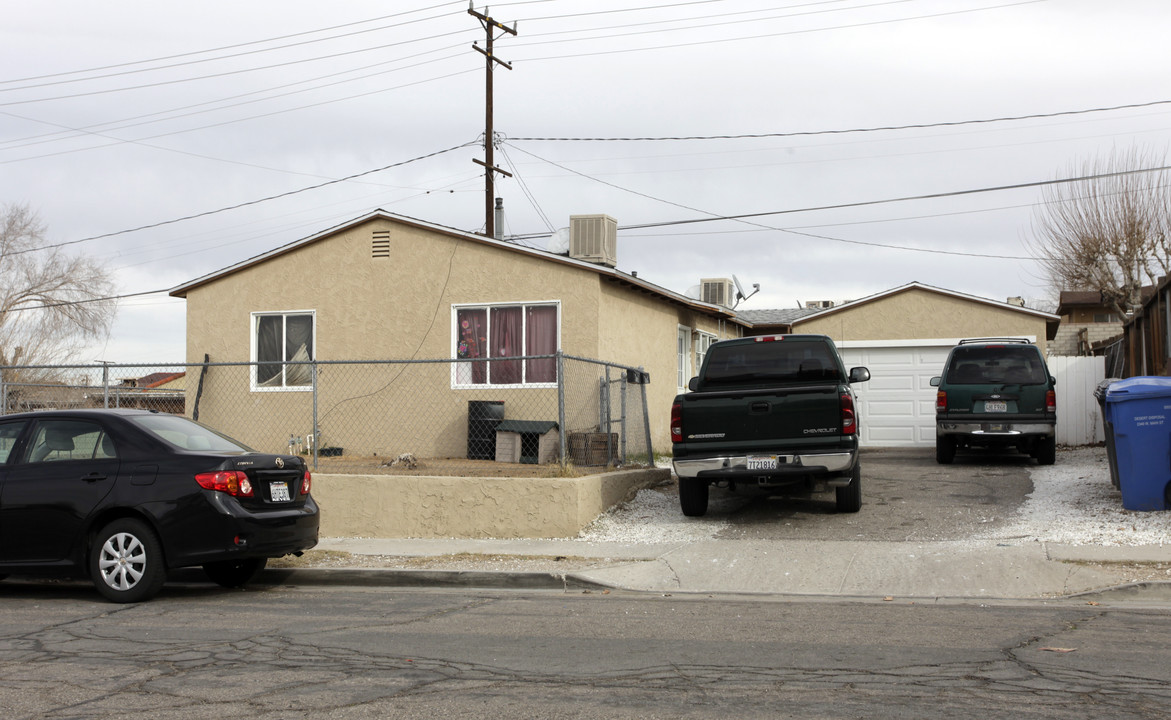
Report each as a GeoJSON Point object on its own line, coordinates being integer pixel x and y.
{"type": "Point", "coordinates": [594, 238]}
{"type": "Point", "coordinates": [718, 291]}
{"type": "Point", "coordinates": [819, 304]}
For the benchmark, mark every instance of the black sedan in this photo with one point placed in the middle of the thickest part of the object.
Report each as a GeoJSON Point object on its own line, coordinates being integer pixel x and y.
{"type": "Point", "coordinates": [123, 496]}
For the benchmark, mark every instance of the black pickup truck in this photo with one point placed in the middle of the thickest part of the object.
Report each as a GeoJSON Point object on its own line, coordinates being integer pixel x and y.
{"type": "Point", "coordinates": [770, 411]}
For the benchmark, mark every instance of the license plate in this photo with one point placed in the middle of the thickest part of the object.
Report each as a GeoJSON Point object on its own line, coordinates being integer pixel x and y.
{"type": "Point", "coordinates": [279, 492]}
{"type": "Point", "coordinates": [995, 406]}
{"type": "Point", "coordinates": [762, 462]}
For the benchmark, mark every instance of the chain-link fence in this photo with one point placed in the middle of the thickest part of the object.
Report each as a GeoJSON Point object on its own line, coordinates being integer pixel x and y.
{"type": "Point", "coordinates": [426, 417]}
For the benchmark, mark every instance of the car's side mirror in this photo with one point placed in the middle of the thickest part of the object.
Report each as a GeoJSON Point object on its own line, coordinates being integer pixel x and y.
{"type": "Point", "coordinates": [859, 374]}
{"type": "Point", "coordinates": [1052, 381]}
{"type": "Point", "coordinates": [693, 384]}
{"type": "Point", "coordinates": [936, 380]}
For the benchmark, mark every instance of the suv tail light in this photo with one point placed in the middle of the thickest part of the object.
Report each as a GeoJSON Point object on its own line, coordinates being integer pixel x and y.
{"type": "Point", "coordinates": [1051, 401]}
{"type": "Point", "coordinates": [849, 420]}
{"type": "Point", "coordinates": [305, 483]}
{"type": "Point", "coordinates": [232, 482]}
{"type": "Point", "coordinates": [941, 401]}
{"type": "Point", "coordinates": [677, 423]}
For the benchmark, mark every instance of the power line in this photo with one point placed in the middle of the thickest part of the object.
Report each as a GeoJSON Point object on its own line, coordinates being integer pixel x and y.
{"type": "Point", "coordinates": [881, 128]}
{"type": "Point", "coordinates": [244, 204]}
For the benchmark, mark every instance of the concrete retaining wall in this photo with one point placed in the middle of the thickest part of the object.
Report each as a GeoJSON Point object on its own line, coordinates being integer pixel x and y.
{"type": "Point", "coordinates": [384, 506]}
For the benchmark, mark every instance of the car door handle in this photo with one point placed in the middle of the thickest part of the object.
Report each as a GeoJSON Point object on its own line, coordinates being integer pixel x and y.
{"type": "Point", "coordinates": [94, 477]}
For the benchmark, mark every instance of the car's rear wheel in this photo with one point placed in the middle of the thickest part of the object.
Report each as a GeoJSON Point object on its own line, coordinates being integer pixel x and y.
{"type": "Point", "coordinates": [234, 573]}
{"type": "Point", "coordinates": [1047, 450]}
{"type": "Point", "coordinates": [693, 494]}
{"type": "Point", "coordinates": [126, 562]}
{"type": "Point", "coordinates": [945, 449]}
{"type": "Point", "coordinates": [848, 499]}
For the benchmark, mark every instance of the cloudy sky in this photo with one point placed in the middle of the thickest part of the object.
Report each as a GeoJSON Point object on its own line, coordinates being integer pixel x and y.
{"type": "Point", "coordinates": [870, 142]}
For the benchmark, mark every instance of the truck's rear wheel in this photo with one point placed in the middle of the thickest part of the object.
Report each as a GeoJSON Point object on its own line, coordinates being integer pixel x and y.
{"type": "Point", "coordinates": [849, 498]}
{"type": "Point", "coordinates": [693, 494]}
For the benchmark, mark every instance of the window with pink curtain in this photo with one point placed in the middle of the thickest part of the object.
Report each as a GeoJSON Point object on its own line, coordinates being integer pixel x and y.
{"type": "Point", "coordinates": [507, 341]}
{"type": "Point", "coordinates": [541, 339]}
{"type": "Point", "coordinates": [494, 338]}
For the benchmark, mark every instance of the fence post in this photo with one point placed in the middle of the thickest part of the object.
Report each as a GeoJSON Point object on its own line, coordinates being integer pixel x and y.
{"type": "Point", "coordinates": [623, 422]}
{"type": "Point", "coordinates": [105, 384]}
{"type": "Point", "coordinates": [316, 429]}
{"type": "Point", "coordinates": [3, 395]}
{"type": "Point", "coordinates": [646, 422]}
{"type": "Point", "coordinates": [561, 406]}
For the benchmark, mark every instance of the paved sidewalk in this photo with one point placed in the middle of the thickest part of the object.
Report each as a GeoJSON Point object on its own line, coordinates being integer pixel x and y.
{"type": "Point", "coordinates": [963, 569]}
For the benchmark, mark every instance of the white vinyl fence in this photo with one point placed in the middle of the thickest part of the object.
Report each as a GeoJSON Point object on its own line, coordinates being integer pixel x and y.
{"type": "Point", "coordinates": [1079, 418]}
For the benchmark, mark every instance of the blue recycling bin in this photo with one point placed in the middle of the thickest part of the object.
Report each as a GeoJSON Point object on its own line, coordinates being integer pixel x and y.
{"type": "Point", "coordinates": [1139, 409]}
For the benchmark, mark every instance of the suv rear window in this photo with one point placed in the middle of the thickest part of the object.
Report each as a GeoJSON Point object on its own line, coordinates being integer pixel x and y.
{"type": "Point", "coordinates": [779, 361]}
{"type": "Point", "coordinates": [1003, 364]}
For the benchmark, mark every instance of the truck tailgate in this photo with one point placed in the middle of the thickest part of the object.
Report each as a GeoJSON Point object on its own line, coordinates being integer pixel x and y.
{"type": "Point", "coordinates": [726, 420]}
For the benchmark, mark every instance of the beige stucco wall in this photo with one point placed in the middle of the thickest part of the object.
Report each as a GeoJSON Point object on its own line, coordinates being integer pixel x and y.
{"type": "Point", "coordinates": [443, 507]}
{"type": "Point", "coordinates": [640, 331]}
{"type": "Point", "coordinates": [400, 308]}
{"type": "Point", "coordinates": [919, 313]}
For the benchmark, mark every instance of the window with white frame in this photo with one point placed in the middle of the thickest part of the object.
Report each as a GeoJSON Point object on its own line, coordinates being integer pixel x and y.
{"type": "Point", "coordinates": [703, 341]}
{"type": "Point", "coordinates": [280, 340]}
{"type": "Point", "coordinates": [683, 356]}
{"type": "Point", "coordinates": [494, 340]}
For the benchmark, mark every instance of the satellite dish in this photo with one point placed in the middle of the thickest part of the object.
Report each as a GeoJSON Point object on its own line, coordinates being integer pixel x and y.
{"type": "Point", "coordinates": [740, 294]}
{"type": "Point", "coordinates": [695, 292]}
{"type": "Point", "coordinates": [559, 242]}
{"type": "Point", "coordinates": [739, 288]}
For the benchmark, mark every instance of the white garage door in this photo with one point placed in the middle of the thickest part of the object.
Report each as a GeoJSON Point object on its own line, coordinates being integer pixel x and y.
{"type": "Point", "coordinates": [896, 407]}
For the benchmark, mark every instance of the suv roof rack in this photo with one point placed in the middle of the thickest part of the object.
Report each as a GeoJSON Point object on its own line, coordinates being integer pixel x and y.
{"type": "Point", "coordinates": [971, 341]}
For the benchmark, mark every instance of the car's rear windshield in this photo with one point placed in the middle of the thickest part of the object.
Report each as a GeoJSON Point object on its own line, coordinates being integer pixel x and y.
{"type": "Point", "coordinates": [780, 361]}
{"type": "Point", "coordinates": [1000, 364]}
{"type": "Point", "coordinates": [187, 434]}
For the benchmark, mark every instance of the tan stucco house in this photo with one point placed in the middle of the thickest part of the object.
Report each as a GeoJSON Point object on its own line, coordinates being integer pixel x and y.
{"type": "Point", "coordinates": [903, 336]}
{"type": "Point", "coordinates": [387, 287]}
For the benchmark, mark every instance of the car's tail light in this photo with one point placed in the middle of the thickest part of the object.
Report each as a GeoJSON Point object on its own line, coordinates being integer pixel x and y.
{"type": "Point", "coordinates": [232, 482]}
{"type": "Point", "coordinates": [1051, 401]}
{"type": "Point", "coordinates": [677, 423]}
{"type": "Point", "coordinates": [306, 481]}
{"type": "Point", "coordinates": [849, 419]}
{"type": "Point", "coordinates": [941, 401]}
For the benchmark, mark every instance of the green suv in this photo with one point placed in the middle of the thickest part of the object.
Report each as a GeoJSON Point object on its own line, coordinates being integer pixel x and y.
{"type": "Point", "coordinates": [995, 393]}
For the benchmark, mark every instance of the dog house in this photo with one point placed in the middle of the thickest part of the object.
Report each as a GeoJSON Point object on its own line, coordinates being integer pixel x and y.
{"type": "Point", "coordinates": [527, 441]}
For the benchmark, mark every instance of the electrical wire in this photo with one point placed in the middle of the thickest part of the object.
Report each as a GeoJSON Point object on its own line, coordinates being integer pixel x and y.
{"type": "Point", "coordinates": [844, 131]}
{"type": "Point", "coordinates": [244, 204]}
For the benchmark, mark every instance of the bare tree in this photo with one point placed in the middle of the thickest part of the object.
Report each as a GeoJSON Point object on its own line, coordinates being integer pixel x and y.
{"type": "Point", "coordinates": [50, 302]}
{"type": "Point", "coordinates": [1108, 232]}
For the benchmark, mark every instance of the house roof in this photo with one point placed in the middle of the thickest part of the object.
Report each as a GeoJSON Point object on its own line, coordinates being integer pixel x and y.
{"type": "Point", "coordinates": [785, 316]}
{"type": "Point", "coordinates": [608, 273]}
{"type": "Point", "coordinates": [793, 317]}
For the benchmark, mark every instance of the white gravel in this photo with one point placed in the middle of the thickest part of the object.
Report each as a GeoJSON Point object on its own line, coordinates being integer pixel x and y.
{"type": "Point", "coordinates": [1073, 502]}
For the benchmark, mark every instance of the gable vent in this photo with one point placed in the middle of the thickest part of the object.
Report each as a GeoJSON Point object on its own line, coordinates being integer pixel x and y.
{"type": "Point", "coordinates": [718, 291]}
{"type": "Point", "coordinates": [380, 244]}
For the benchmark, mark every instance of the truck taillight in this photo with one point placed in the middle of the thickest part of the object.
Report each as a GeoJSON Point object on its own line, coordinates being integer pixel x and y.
{"type": "Point", "coordinates": [232, 482]}
{"type": "Point", "coordinates": [849, 420]}
{"type": "Point", "coordinates": [1051, 401]}
{"type": "Point", "coordinates": [941, 401]}
{"type": "Point", "coordinates": [677, 423]}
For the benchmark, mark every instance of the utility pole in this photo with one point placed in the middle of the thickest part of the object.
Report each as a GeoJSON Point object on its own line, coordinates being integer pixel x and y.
{"type": "Point", "coordinates": [490, 25]}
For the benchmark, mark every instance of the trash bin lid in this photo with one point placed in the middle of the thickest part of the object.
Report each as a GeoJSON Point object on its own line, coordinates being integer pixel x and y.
{"type": "Point", "coordinates": [1138, 387]}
